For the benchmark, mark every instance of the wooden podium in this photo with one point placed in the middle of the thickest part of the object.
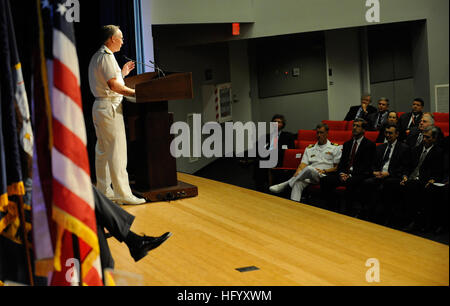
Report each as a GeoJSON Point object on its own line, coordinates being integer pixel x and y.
{"type": "Point", "coordinates": [149, 138]}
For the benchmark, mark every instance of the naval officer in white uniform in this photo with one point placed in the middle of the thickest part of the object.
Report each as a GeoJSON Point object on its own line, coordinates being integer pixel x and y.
{"type": "Point", "coordinates": [108, 87]}
{"type": "Point", "coordinates": [318, 160]}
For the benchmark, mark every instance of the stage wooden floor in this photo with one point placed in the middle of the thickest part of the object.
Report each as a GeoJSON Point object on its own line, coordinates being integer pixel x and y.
{"type": "Point", "coordinates": [227, 227]}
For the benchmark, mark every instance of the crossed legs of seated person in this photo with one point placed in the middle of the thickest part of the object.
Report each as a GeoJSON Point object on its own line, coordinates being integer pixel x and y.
{"type": "Point", "coordinates": [298, 183]}
{"type": "Point", "coordinates": [117, 221]}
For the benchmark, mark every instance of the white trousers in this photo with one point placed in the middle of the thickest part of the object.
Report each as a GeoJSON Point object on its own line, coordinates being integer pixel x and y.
{"type": "Point", "coordinates": [111, 149]}
{"type": "Point", "coordinates": [308, 175]}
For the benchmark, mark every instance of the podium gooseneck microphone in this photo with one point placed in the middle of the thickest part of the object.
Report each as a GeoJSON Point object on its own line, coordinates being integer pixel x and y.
{"type": "Point", "coordinates": [154, 65]}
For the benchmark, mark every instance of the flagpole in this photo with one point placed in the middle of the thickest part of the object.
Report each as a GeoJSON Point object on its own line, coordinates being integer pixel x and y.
{"type": "Point", "coordinates": [24, 235]}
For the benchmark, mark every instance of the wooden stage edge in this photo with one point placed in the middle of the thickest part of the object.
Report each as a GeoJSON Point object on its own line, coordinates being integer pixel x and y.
{"type": "Point", "coordinates": [227, 227]}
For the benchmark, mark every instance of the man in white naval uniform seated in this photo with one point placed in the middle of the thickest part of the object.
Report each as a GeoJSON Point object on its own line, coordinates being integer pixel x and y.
{"type": "Point", "coordinates": [108, 87]}
{"type": "Point", "coordinates": [318, 160]}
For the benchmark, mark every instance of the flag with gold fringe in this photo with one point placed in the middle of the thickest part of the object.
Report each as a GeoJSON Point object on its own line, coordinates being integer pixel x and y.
{"type": "Point", "coordinates": [73, 199]}
{"type": "Point", "coordinates": [15, 257]}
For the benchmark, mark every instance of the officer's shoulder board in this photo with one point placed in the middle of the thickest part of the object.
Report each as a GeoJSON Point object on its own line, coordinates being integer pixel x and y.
{"type": "Point", "coordinates": [335, 144]}
{"type": "Point", "coordinates": [310, 146]}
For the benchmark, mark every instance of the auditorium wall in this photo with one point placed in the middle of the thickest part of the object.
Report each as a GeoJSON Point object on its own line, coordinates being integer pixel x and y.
{"type": "Point", "coordinates": [189, 38]}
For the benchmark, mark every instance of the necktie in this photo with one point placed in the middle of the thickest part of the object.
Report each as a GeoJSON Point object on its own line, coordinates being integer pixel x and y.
{"type": "Point", "coordinates": [387, 154]}
{"type": "Point", "coordinates": [378, 122]}
{"type": "Point", "coordinates": [413, 120]}
{"type": "Point", "coordinates": [358, 114]}
{"type": "Point", "coordinates": [415, 173]}
{"type": "Point", "coordinates": [352, 156]}
{"type": "Point", "coordinates": [419, 139]}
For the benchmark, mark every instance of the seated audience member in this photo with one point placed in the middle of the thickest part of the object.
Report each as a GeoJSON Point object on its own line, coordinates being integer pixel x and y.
{"type": "Point", "coordinates": [354, 167]}
{"type": "Point", "coordinates": [392, 119]}
{"type": "Point", "coordinates": [391, 163]}
{"type": "Point", "coordinates": [426, 168]}
{"type": "Point", "coordinates": [118, 222]}
{"type": "Point", "coordinates": [412, 119]}
{"type": "Point", "coordinates": [318, 160]}
{"type": "Point", "coordinates": [378, 119]}
{"type": "Point", "coordinates": [439, 197]}
{"type": "Point", "coordinates": [361, 111]}
{"type": "Point", "coordinates": [283, 141]}
{"type": "Point", "coordinates": [415, 136]}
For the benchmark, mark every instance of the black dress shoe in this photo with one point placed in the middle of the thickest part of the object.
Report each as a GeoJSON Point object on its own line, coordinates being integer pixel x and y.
{"type": "Point", "coordinates": [147, 244]}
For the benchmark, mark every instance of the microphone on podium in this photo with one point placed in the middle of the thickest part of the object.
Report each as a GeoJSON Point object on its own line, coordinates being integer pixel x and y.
{"type": "Point", "coordinates": [134, 61]}
{"type": "Point", "coordinates": [154, 65]}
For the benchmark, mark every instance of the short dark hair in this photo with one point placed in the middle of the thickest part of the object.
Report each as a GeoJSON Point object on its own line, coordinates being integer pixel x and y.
{"type": "Point", "coordinates": [364, 124]}
{"type": "Point", "coordinates": [384, 99]}
{"type": "Point", "coordinates": [420, 100]}
{"type": "Point", "coordinates": [281, 117]}
{"type": "Point", "coordinates": [392, 126]}
{"type": "Point", "coordinates": [434, 131]}
{"type": "Point", "coordinates": [108, 31]}
{"type": "Point", "coordinates": [323, 125]}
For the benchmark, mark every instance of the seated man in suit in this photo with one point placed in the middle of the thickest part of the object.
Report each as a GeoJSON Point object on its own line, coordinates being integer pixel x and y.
{"type": "Point", "coordinates": [412, 119]}
{"type": "Point", "coordinates": [361, 111]}
{"type": "Point", "coordinates": [285, 140]}
{"type": "Point", "coordinates": [318, 160]}
{"type": "Point", "coordinates": [392, 119]}
{"type": "Point", "coordinates": [118, 222]}
{"type": "Point", "coordinates": [354, 167]}
{"type": "Point", "coordinates": [391, 163]}
{"type": "Point", "coordinates": [426, 168]}
{"type": "Point", "coordinates": [415, 137]}
{"type": "Point", "coordinates": [439, 207]}
{"type": "Point", "coordinates": [378, 119]}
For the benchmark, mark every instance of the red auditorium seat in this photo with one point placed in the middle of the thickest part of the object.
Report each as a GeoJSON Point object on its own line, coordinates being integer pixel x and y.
{"type": "Point", "coordinates": [303, 144]}
{"type": "Point", "coordinates": [399, 114]}
{"type": "Point", "coordinates": [443, 126]}
{"type": "Point", "coordinates": [441, 117]}
{"type": "Point", "coordinates": [339, 136]}
{"type": "Point", "coordinates": [336, 125]}
{"type": "Point", "coordinates": [292, 158]}
{"type": "Point", "coordinates": [307, 135]}
{"type": "Point", "coordinates": [371, 135]}
{"type": "Point", "coordinates": [349, 125]}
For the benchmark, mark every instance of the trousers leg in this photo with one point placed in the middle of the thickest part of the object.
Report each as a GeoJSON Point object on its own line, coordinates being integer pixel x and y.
{"type": "Point", "coordinates": [327, 185]}
{"type": "Point", "coordinates": [297, 189]}
{"type": "Point", "coordinates": [298, 183]}
{"type": "Point", "coordinates": [111, 216]}
{"type": "Point", "coordinates": [111, 149]}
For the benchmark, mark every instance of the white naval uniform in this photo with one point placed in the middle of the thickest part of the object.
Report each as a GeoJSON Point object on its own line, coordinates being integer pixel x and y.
{"type": "Point", "coordinates": [315, 156]}
{"type": "Point", "coordinates": [111, 147]}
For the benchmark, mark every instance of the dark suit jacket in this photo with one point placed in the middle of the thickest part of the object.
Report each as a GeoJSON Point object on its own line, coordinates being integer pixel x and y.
{"type": "Point", "coordinates": [372, 119]}
{"type": "Point", "coordinates": [404, 120]}
{"type": "Point", "coordinates": [400, 159]}
{"type": "Point", "coordinates": [364, 158]}
{"type": "Point", "coordinates": [354, 110]}
{"type": "Point", "coordinates": [285, 139]}
{"type": "Point", "coordinates": [411, 139]}
{"type": "Point", "coordinates": [433, 165]}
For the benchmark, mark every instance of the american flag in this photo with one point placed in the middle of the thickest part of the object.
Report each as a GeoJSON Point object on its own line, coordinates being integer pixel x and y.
{"type": "Point", "coordinates": [73, 202]}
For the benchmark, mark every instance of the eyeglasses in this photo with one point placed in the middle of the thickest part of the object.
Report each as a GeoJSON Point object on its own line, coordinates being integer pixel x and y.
{"type": "Point", "coordinates": [427, 136]}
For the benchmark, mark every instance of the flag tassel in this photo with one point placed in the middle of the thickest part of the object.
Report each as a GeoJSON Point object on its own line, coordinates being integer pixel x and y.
{"type": "Point", "coordinates": [24, 234]}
